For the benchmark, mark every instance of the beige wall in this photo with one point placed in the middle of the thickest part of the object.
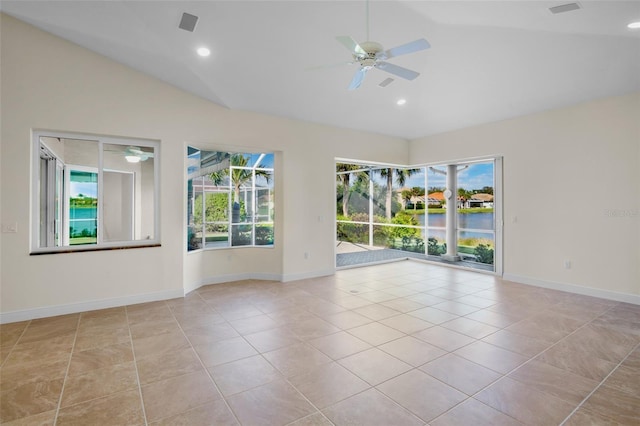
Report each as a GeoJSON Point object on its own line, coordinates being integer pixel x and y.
{"type": "Point", "coordinates": [48, 83]}
{"type": "Point", "coordinates": [564, 171]}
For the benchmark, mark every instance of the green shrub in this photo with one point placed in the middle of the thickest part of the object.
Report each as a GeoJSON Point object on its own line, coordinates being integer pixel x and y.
{"type": "Point", "coordinates": [484, 254]}
{"type": "Point", "coordinates": [264, 235]}
{"type": "Point", "coordinates": [435, 249]}
{"type": "Point", "coordinates": [353, 232]}
{"type": "Point", "coordinates": [404, 218]}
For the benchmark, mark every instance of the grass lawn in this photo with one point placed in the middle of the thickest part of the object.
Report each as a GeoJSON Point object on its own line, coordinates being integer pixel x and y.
{"type": "Point", "coordinates": [82, 240]}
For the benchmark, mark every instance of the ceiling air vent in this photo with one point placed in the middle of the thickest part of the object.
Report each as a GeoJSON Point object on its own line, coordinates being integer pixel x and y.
{"type": "Point", "coordinates": [386, 82]}
{"type": "Point", "coordinates": [188, 22]}
{"type": "Point", "coordinates": [564, 8]}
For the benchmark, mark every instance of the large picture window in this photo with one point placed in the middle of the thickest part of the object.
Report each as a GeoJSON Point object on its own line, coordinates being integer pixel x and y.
{"type": "Point", "coordinates": [444, 212]}
{"type": "Point", "coordinates": [93, 192]}
{"type": "Point", "coordinates": [230, 199]}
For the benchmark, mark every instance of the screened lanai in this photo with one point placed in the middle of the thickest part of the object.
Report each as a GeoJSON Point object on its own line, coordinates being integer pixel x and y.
{"type": "Point", "coordinates": [442, 213]}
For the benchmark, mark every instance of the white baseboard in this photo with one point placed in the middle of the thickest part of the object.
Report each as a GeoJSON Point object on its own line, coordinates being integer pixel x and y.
{"type": "Point", "coordinates": [219, 279]}
{"type": "Point", "coordinates": [52, 311]}
{"type": "Point", "coordinates": [307, 275]}
{"type": "Point", "coordinates": [572, 288]}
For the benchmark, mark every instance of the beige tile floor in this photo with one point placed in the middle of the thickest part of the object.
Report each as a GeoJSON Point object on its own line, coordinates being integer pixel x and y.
{"type": "Point", "coordinates": [394, 344]}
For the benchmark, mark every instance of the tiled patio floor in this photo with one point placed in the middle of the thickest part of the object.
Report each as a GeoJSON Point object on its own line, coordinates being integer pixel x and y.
{"type": "Point", "coordinates": [349, 255]}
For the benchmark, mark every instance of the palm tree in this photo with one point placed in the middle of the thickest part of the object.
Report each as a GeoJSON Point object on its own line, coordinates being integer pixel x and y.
{"type": "Point", "coordinates": [401, 176]}
{"type": "Point", "coordinates": [344, 179]}
{"type": "Point", "coordinates": [239, 174]}
{"type": "Point", "coordinates": [406, 197]}
{"type": "Point", "coordinates": [416, 191]}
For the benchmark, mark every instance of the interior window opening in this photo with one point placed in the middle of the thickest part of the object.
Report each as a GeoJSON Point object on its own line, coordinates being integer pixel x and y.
{"type": "Point", "coordinates": [94, 192]}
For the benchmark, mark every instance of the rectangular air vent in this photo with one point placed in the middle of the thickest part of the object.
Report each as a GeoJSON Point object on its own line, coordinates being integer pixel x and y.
{"type": "Point", "coordinates": [564, 8]}
{"type": "Point", "coordinates": [188, 22]}
{"type": "Point", "coordinates": [386, 82]}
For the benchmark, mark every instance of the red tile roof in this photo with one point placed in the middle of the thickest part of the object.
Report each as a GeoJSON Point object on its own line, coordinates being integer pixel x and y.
{"type": "Point", "coordinates": [437, 196]}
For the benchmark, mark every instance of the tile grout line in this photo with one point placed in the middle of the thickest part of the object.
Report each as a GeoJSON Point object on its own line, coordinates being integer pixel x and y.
{"type": "Point", "coordinates": [135, 364]}
{"type": "Point", "coordinates": [373, 346]}
{"type": "Point", "coordinates": [600, 384]}
{"type": "Point", "coordinates": [540, 353]}
{"type": "Point", "coordinates": [306, 399]}
{"type": "Point", "coordinates": [525, 363]}
{"type": "Point", "coordinates": [204, 367]}
{"type": "Point", "coordinates": [413, 367]}
{"type": "Point", "coordinates": [66, 373]}
{"type": "Point", "coordinates": [448, 352]}
{"type": "Point", "coordinates": [14, 345]}
{"type": "Point", "coordinates": [286, 379]}
{"type": "Point", "coordinates": [530, 359]}
{"type": "Point", "coordinates": [342, 330]}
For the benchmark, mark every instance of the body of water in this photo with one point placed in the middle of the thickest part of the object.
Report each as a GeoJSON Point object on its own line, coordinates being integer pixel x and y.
{"type": "Point", "coordinates": [81, 218]}
{"type": "Point", "coordinates": [465, 220]}
{"type": "Point", "coordinates": [484, 221]}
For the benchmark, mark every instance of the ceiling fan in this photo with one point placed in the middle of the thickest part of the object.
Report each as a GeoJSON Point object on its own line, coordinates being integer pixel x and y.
{"type": "Point", "coordinates": [371, 54]}
{"type": "Point", "coordinates": [134, 154]}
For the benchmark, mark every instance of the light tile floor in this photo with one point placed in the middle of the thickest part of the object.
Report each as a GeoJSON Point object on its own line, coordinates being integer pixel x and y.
{"type": "Point", "coordinates": [393, 344]}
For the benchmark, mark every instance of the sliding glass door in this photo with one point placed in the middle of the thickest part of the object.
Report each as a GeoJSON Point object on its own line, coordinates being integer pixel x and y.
{"type": "Point", "coordinates": [470, 236]}
{"type": "Point", "coordinates": [446, 212]}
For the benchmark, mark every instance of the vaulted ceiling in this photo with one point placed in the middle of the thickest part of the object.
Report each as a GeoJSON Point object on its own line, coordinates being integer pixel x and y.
{"type": "Point", "coordinates": [488, 61]}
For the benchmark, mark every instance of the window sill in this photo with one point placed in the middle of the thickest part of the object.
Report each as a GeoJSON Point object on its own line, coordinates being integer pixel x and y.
{"type": "Point", "coordinates": [200, 250]}
{"type": "Point", "coordinates": [89, 249]}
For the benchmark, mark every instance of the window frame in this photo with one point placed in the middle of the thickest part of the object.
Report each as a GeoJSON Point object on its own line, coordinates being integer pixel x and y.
{"type": "Point", "coordinates": [228, 188]}
{"type": "Point", "coordinates": [101, 141]}
{"type": "Point", "coordinates": [498, 223]}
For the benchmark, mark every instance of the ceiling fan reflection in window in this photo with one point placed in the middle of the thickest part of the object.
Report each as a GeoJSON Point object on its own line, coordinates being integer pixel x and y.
{"type": "Point", "coordinates": [370, 54]}
{"type": "Point", "coordinates": [133, 154]}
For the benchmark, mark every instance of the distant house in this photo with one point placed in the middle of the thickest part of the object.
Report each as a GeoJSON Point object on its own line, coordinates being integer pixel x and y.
{"type": "Point", "coordinates": [480, 200]}
{"type": "Point", "coordinates": [413, 202]}
{"type": "Point", "coordinates": [436, 199]}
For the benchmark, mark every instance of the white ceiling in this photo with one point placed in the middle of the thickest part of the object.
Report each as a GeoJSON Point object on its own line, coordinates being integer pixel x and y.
{"type": "Point", "coordinates": [488, 61]}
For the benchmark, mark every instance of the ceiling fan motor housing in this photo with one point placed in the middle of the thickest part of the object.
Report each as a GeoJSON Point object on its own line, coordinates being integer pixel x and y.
{"type": "Point", "coordinates": [373, 52]}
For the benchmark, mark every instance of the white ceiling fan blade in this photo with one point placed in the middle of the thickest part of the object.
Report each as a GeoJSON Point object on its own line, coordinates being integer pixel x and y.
{"type": "Point", "coordinates": [351, 44]}
{"type": "Point", "coordinates": [358, 78]}
{"type": "Point", "coordinates": [414, 46]}
{"type": "Point", "coordinates": [405, 73]}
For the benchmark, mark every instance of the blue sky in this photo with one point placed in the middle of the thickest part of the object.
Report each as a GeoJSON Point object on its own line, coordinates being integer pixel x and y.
{"type": "Point", "coordinates": [88, 189]}
{"type": "Point", "coordinates": [475, 176]}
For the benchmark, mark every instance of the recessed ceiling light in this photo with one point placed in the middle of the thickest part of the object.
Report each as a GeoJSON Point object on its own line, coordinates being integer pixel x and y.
{"type": "Point", "coordinates": [203, 51]}
{"type": "Point", "coordinates": [401, 101]}
{"type": "Point", "coordinates": [634, 25]}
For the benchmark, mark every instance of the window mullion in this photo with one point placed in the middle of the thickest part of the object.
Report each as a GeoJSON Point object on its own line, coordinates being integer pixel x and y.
{"type": "Point", "coordinates": [254, 203]}
{"type": "Point", "coordinates": [99, 220]}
